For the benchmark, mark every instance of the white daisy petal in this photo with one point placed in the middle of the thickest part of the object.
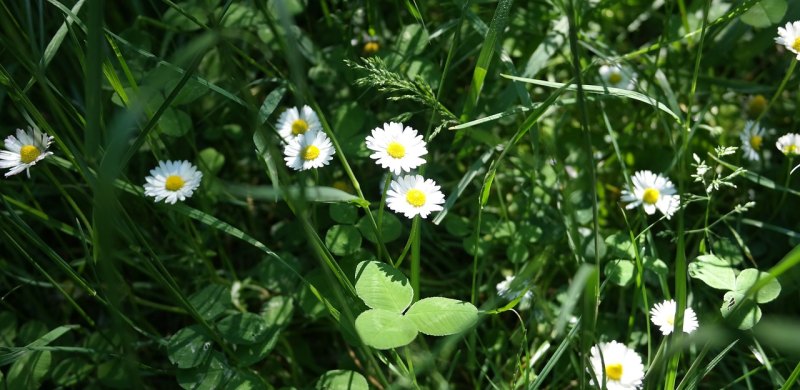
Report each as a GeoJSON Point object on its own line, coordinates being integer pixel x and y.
{"type": "Point", "coordinates": [789, 37]}
{"type": "Point", "coordinates": [312, 149]}
{"type": "Point", "coordinates": [616, 76]}
{"type": "Point", "coordinates": [297, 121]}
{"type": "Point", "coordinates": [653, 192]}
{"type": "Point", "coordinates": [752, 138]}
{"type": "Point", "coordinates": [789, 144]}
{"type": "Point", "coordinates": [663, 316]}
{"type": "Point", "coordinates": [396, 147]}
{"type": "Point", "coordinates": [621, 366]}
{"type": "Point", "coordinates": [413, 195]}
{"type": "Point", "coordinates": [171, 181]}
{"type": "Point", "coordinates": [24, 150]}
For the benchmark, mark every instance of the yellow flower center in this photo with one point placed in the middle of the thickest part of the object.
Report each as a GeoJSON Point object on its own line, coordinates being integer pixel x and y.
{"type": "Point", "coordinates": [29, 154]}
{"type": "Point", "coordinates": [796, 44]}
{"type": "Point", "coordinates": [396, 150]}
{"type": "Point", "coordinates": [371, 48]}
{"type": "Point", "coordinates": [790, 149]}
{"type": "Point", "coordinates": [671, 319]}
{"type": "Point", "coordinates": [756, 105]}
{"type": "Point", "coordinates": [615, 78]}
{"type": "Point", "coordinates": [415, 197]}
{"type": "Point", "coordinates": [651, 195]}
{"type": "Point", "coordinates": [755, 142]}
{"type": "Point", "coordinates": [614, 371]}
{"type": "Point", "coordinates": [299, 127]}
{"type": "Point", "coordinates": [174, 183]}
{"type": "Point", "coordinates": [311, 152]}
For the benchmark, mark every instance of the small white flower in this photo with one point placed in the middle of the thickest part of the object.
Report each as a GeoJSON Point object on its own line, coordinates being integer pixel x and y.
{"type": "Point", "coordinates": [397, 148]}
{"type": "Point", "coordinates": [653, 192]}
{"type": "Point", "coordinates": [621, 366]}
{"type": "Point", "coordinates": [616, 76]}
{"type": "Point", "coordinates": [505, 291]}
{"type": "Point", "coordinates": [789, 36]}
{"type": "Point", "coordinates": [663, 316]}
{"type": "Point", "coordinates": [172, 181]}
{"type": "Point", "coordinates": [312, 149]}
{"type": "Point", "coordinates": [413, 194]}
{"type": "Point", "coordinates": [789, 144]}
{"type": "Point", "coordinates": [752, 139]}
{"type": "Point", "coordinates": [294, 122]}
{"type": "Point", "coordinates": [24, 150]}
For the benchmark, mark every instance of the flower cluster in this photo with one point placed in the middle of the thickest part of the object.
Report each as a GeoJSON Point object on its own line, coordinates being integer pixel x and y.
{"type": "Point", "coordinates": [307, 146]}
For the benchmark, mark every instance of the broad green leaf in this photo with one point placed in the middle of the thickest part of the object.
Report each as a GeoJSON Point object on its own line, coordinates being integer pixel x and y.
{"type": "Point", "coordinates": [765, 13]}
{"type": "Point", "coordinates": [211, 301]}
{"type": "Point", "coordinates": [243, 328]}
{"type": "Point", "coordinates": [208, 376]}
{"type": "Point", "coordinates": [114, 374]}
{"type": "Point", "coordinates": [382, 287]}
{"type": "Point", "coordinates": [70, 371]}
{"type": "Point", "coordinates": [712, 270]}
{"type": "Point", "coordinates": [438, 316]}
{"type": "Point", "coordinates": [656, 266]}
{"type": "Point", "coordinates": [620, 272]}
{"type": "Point", "coordinates": [381, 329]}
{"type": "Point", "coordinates": [749, 277]}
{"type": "Point", "coordinates": [276, 313]}
{"type": "Point", "coordinates": [391, 228]}
{"type": "Point", "coordinates": [270, 103]}
{"type": "Point", "coordinates": [29, 371]}
{"type": "Point", "coordinates": [412, 40]}
{"type": "Point", "coordinates": [343, 213]}
{"type": "Point", "coordinates": [211, 160]}
{"type": "Point", "coordinates": [342, 240]}
{"type": "Point", "coordinates": [189, 347]}
{"type": "Point", "coordinates": [186, 16]}
{"type": "Point", "coordinates": [742, 312]}
{"type": "Point", "coordinates": [341, 380]}
{"type": "Point", "coordinates": [8, 328]}
{"type": "Point", "coordinates": [313, 194]}
{"type": "Point", "coordinates": [619, 246]}
{"type": "Point", "coordinates": [174, 122]}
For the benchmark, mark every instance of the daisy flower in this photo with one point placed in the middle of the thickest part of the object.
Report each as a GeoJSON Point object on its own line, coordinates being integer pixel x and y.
{"type": "Point", "coordinates": [413, 194]}
{"type": "Point", "coordinates": [789, 144]}
{"type": "Point", "coordinates": [615, 76]}
{"type": "Point", "coordinates": [752, 138]}
{"type": "Point", "coordinates": [24, 150]}
{"type": "Point", "coordinates": [756, 105]}
{"type": "Point", "coordinates": [297, 121]}
{"type": "Point", "coordinates": [620, 366]}
{"type": "Point", "coordinates": [789, 36]}
{"type": "Point", "coordinates": [396, 147]}
{"type": "Point", "coordinates": [309, 150]}
{"type": "Point", "coordinates": [663, 316]}
{"type": "Point", "coordinates": [653, 192]}
{"type": "Point", "coordinates": [172, 181]}
{"type": "Point", "coordinates": [505, 291]}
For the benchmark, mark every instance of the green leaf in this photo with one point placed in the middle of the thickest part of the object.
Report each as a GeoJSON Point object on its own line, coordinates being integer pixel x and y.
{"type": "Point", "coordinates": [619, 246]}
{"type": "Point", "coordinates": [29, 371]}
{"type": "Point", "coordinates": [412, 40]}
{"type": "Point", "coordinates": [211, 301]}
{"type": "Point", "coordinates": [8, 328]}
{"type": "Point", "coordinates": [114, 374]}
{"type": "Point", "coordinates": [189, 347]}
{"type": "Point", "coordinates": [391, 228]}
{"type": "Point", "coordinates": [765, 13]}
{"type": "Point", "coordinates": [211, 160]}
{"type": "Point", "coordinates": [715, 272]}
{"type": "Point", "coordinates": [243, 328]}
{"type": "Point", "coordinates": [70, 371]}
{"type": "Point", "coordinates": [343, 213]}
{"type": "Point", "coordinates": [381, 329]}
{"type": "Point", "coordinates": [276, 313]}
{"type": "Point", "coordinates": [341, 380]}
{"type": "Point", "coordinates": [208, 376]}
{"type": "Point", "coordinates": [174, 123]}
{"type": "Point", "coordinates": [656, 266]}
{"type": "Point", "coordinates": [742, 312]}
{"type": "Point", "coordinates": [749, 277]}
{"type": "Point", "coordinates": [382, 287]}
{"type": "Point", "coordinates": [271, 194]}
{"type": "Point", "coordinates": [620, 272]}
{"type": "Point", "coordinates": [270, 103]}
{"type": "Point", "coordinates": [342, 240]}
{"type": "Point", "coordinates": [438, 316]}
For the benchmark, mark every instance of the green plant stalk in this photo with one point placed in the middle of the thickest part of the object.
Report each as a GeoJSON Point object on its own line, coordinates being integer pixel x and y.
{"type": "Point", "coordinates": [786, 180]}
{"type": "Point", "coordinates": [415, 260]}
{"type": "Point", "coordinates": [414, 227]}
{"type": "Point", "coordinates": [381, 206]}
{"type": "Point", "coordinates": [780, 89]}
{"type": "Point", "coordinates": [792, 381]}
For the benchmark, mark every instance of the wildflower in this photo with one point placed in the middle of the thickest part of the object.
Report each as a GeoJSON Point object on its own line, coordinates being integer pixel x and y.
{"type": "Point", "coordinates": [789, 144]}
{"type": "Point", "coordinates": [756, 105]}
{"type": "Point", "coordinates": [397, 148]}
{"type": "Point", "coordinates": [506, 291]}
{"type": "Point", "coordinates": [752, 139]}
{"type": "Point", "coordinates": [620, 366]}
{"type": "Point", "coordinates": [663, 316]}
{"type": "Point", "coordinates": [297, 121]}
{"type": "Point", "coordinates": [615, 76]}
{"type": "Point", "coordinates": [172, 181]}
{"type": "Point", "coordinates": [413, 194]}
{"type": "Point", "coordinates": [309, 150]}
{"type": "Point", "coordinates": [24, 150]}
{"type": "Point", "coordinates": [653, 192]}
{"type": "Point", "coordinates": [789, 36]}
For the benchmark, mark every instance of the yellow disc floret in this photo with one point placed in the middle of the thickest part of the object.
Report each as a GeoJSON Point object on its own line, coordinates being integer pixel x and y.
{"type": "Point", "coordinates": [756, 105]}
{"type": "Point", "coordinates": [29, 154]}
{"type": "Point", "coordinates": [299, 126]}
{"type": "Point", "coordinates": [756, 141]}
{"type": "Point", "coordinates": [174, 183]}
{"type": "Point", "coordinates": [396, 150]}
{"type": "Point", "coordinates": [671, 319]}
{"type": "Point", "coordinates": [311, 152]}
{"type": "Point", "coordinates": [650, 195]}
{"type": "Point", "coordinates": [371, 48]}
{"type": "Point", "coordinates": [614, 371]}
{"type": "Point", "coordinates": [415, 197]}
{"type": "Point", "coordinates": [615, 78]}
{"type": "Point", "coordinates": [796, 44]}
